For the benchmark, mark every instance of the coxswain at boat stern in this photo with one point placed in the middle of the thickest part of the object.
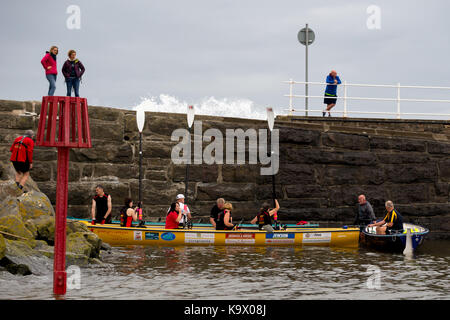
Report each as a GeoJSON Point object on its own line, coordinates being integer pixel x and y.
{"type": "Point", "coordinates": [392, 222]}
{"type": "Point", "coordinates": [101, 206]}
{"type": "Point", "coordinates": [264, 217]}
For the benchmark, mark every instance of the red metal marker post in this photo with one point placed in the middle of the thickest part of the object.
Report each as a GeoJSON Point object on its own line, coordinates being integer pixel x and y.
{"type": "Point", "coordinates": [70, 117]}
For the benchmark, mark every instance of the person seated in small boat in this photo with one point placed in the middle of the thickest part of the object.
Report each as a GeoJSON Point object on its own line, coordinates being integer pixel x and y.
{"type": "Point", "coordinates": [174, 216]}
{"type": "Point", "coordinates": [364, 212]}
{"type": "Point", "coordinates": [128, 214]}
{"type": "Point", "coordinates": [218, 208]}
{"type": "Point", "coordinates": [392, 222]}
{"type": "Point", "coordinates": [224, 218]}
{"type": "Point", "coordinates": [264, 217]}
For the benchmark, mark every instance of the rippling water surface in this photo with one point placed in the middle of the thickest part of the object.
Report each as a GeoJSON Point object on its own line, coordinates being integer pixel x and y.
{"type": "Point", "coordinates": [251, 273]}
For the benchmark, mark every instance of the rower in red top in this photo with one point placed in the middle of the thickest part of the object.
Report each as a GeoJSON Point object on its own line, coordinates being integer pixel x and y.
{"type": "Point", "coordinates": [22, 157]}
{"type": "Point", "coordinates": [174, 216]}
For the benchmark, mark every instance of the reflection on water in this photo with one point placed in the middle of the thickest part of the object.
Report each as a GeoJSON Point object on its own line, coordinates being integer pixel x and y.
{"type": "Point", "coordinates": [250, 273]}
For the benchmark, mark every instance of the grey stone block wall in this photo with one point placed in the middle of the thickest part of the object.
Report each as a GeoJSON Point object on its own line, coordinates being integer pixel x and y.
{"type": "Point", "coordinates": [324, 165]}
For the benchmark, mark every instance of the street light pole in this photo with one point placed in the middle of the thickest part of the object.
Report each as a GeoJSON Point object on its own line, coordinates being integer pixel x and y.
{"type": "Point", "coordinates": [306, 70]}
{"type": "Point", "coordinates": [306, 37]}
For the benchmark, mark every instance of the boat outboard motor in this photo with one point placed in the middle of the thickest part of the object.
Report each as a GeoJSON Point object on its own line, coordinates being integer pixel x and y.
{"type": "Point", "coordinates": [408, 248]}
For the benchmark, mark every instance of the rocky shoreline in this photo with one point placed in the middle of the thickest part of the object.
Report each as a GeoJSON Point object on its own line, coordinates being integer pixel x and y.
{"type": "Point", "coordinates": [27, 229]}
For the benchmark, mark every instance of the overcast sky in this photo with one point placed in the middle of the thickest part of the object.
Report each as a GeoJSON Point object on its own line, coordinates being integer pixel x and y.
{"type": "Point", "coordinates": [229, 50]}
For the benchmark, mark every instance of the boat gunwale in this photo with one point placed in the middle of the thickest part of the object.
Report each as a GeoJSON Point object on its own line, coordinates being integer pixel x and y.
{"type": "Point", "coordinates": [403, 234]}
{"type": "Point", "coordinates": [311, 230]}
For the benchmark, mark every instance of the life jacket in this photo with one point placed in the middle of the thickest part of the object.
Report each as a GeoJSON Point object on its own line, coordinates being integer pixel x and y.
{"type": "Point", "coordinates": [20, 154]}
{"type": "Point", "coordinates": [220, 223]}
{"type": "Point", "coordinates": [264, 219]}
{"type": "Point", "coordinates": [125, 220]}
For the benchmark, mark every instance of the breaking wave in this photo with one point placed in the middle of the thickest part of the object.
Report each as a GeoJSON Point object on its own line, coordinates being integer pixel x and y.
{"type": "Point", "coordinates": [235, 108]}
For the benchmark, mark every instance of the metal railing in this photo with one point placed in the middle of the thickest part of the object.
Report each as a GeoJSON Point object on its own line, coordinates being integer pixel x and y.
{"type": "Point", "coordinates": [345, 98]}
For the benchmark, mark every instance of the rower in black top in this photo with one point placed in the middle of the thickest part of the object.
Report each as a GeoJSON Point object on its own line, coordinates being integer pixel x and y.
{"type": "Point", "coordinates": [264, 217]}
{"type": "Point", "coordinates": [216, 210]}
{"type": "Point", "coordinates": [392, 222]}
{"type": "Point", "coordinates": [101, 206]}
{"type": "Point", "coordinates": [224, 219]}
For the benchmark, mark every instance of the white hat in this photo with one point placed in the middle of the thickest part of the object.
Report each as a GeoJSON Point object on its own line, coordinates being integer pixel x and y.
{"type": "Point", "coordinates": [180, 196]}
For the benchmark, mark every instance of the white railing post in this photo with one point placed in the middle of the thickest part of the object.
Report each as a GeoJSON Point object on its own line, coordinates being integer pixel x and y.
{"type": "Point", "coordinates": [291, 109]}
{"type": "Point", "coordinates": [345, 99]}
{"type": "Point", "coordinates": [398, 101]}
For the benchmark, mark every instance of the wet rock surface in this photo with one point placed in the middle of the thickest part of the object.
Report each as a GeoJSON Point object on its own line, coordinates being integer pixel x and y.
{"type": "Point", "coordinates": [27, 229]}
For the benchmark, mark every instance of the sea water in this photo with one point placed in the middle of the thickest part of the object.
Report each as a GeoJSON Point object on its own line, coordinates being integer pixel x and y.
{"type": "Point", "coordinates": [218, 272]}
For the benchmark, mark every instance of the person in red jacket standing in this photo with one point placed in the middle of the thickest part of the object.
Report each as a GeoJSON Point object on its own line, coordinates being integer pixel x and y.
{"type": "Point", "coordinates": [49, 64]}
{"type": "Point", "coordinates": [22, 157]}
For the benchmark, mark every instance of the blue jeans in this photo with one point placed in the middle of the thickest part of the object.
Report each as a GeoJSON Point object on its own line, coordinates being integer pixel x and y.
{"type": "Point", "coordinates": [75, 83]}
{"type": "Point", "coordinates": [52, 81]}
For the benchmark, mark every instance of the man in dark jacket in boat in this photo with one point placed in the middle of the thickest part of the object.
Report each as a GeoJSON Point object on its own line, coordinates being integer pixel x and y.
{"type": "Point", "coordinates": [364, 214]}
{"type": "Point", "coordinates": [218, 208]}
{"type": "Point", "coordinates": [392, 222]}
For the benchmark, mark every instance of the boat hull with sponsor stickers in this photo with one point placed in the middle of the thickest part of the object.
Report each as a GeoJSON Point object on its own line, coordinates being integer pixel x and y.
{"type": "Point", "coordinates": [120, 236]}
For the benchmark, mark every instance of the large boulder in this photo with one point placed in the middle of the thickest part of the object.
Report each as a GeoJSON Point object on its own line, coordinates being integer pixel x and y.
{"type": "Point", "coordinates": [27, 231]}
{"type": "Point", "coordinates": [20, 258]}
{"type": "Point", "coordinates": [2, 246]}
{"type": "Point", "coordinates": [14, 225]}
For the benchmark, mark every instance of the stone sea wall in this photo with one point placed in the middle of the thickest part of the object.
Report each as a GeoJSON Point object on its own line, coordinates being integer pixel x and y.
{"type": "Point", "coordinates": [325, 163]}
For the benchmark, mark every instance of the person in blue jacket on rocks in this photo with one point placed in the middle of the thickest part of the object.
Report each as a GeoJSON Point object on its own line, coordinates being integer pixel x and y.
{"type": "Point", "coordinates": [331, 92]}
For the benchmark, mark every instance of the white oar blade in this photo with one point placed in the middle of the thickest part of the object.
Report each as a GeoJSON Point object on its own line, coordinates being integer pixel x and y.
{"type": "Point", "coordinates": [190, 115]}
{"type": "Point", "coordinates": [140, 119]}
{"type": "Point", "coordinates": [270, 118]}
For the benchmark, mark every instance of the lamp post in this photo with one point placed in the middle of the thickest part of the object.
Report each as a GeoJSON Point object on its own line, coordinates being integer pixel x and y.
{"type": "Point", "coordinates": [140, 119]}
{"type": "Point", "coordinates": [190, 121]}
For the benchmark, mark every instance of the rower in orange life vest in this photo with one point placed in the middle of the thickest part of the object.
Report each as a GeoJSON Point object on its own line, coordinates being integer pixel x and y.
{"type": "Point", "coordinates": [264, 217]}
{"type": "Point", "coordinates": [128, 214]}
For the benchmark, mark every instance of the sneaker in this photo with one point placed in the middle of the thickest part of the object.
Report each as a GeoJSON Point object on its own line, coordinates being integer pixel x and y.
{"type": "Point", "coordinates": [329, 114]}
{"type": "Point", "coordinates": [323, 114]}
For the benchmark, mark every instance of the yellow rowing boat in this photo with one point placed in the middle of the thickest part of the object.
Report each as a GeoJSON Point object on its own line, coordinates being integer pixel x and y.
{"type": "Point", "coordinates": [119, 236]}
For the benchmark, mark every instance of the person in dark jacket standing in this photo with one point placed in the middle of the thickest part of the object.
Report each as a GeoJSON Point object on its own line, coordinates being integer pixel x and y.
{"type": "Point", "coordinates": [365, 214]}
{"type": "Point", "coordinates": [73, 70]}
{"type": "Point", "coordinates": [49, 64]}
{"type": "Point", "coordinates": [22, 157]}
{"type": "Point", "coordinates": [333, 81]}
